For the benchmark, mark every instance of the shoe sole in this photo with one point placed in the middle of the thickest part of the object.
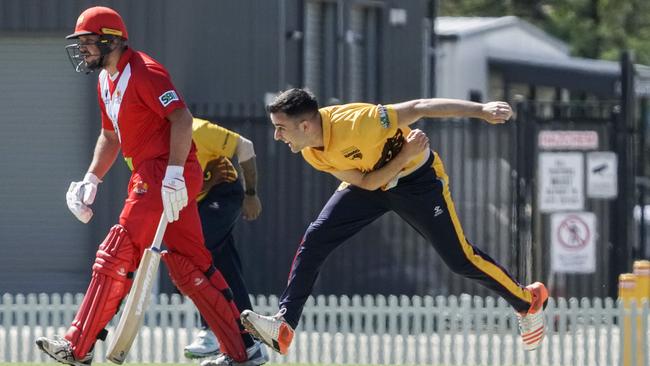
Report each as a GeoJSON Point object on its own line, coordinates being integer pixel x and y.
{"type": "Point", "coordinates": [195, 356]}
{"type": "Point", "coordinates": [40, 346]}
{"type": "Point", "coordinates": [251, 329]}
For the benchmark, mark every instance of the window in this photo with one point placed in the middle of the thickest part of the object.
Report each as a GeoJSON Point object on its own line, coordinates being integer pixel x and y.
{"type": "Point", "coordinates": [321, 57]}
{"type": "Point", "coordinates": [363, 40]}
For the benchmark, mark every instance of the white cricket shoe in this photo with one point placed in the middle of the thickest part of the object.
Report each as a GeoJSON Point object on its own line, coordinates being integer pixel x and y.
{"type": "Point", "coordinates": [60, 349]}
{"type": "Point", "coordinates": [257, 355]}
{"type": "Point", "coordinates": [532, 324]}
{"type": "Point", "coordinates": [274, 331]}
{"type": "Point", "coordinates": [204, 345]}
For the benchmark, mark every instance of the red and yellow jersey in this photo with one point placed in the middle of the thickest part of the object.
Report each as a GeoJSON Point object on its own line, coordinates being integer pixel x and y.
{"type": "Point", "coordinates": [360, 136]}
{"type": "Point", "coordinates": [135, 104]}
{"type": "Point", "coordinates": [215, 147]}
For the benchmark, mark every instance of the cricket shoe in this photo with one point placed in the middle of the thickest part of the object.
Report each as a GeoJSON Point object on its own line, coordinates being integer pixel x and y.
{"type": "Point", "coordinates": [60, 349]}
{"type": "Point", "coordinates": [532, 324]}
{"type": "Point", "coordinates": [257, 355]}
{"type": "Point", "coordinates": [204, 345]}
{"type": "Point", "coordinates": [272, 330]}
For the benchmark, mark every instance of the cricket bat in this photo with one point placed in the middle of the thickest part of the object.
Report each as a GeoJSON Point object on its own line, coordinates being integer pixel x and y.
{"type": "Point", "coordinates": [137, 300]}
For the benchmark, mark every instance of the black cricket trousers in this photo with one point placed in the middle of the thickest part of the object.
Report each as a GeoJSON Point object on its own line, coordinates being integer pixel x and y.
{"type": "Point", "coordinates": [423, 200]}
{"type": "Point", "coordinates": [219, 211]}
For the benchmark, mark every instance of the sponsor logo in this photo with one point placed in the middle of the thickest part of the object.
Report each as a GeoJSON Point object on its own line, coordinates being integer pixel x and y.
{"type": "Point", "coordinates": [383, 116]}
{"type": "Point", "coordinates": [352, 153]}
{"type": "Point", "coordinates": [214, 205]}
{"type": "Point", "coordinates": [146, 287]}
{"type": "Point", "coordinates": [198, 281]}
{"type": "Point", "coordinates": [112, 31]}
{"type": "Point", "coordinates": [167, 97]}
{"type": "Point", "coordinates": [437, 211]}
{"type": "Point", "coordinates": [121, 272]}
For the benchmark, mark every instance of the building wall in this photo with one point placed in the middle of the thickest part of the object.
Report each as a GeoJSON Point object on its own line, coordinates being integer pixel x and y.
{"type": "Point", "coordinates": [462, 63]}
{"type": "Point", "coordinates": [461, 68]}
{"type": "Point", "coordinates": [224, 56]}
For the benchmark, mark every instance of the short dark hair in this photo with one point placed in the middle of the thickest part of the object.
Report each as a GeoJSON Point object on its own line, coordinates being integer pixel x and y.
{"type": "Point", "coordinates": [294, 102]}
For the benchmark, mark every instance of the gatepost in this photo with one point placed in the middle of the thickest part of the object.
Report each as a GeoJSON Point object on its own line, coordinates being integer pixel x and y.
{"type": "Point", "coordinates": [628, 294]}
{"type": "Point", "coordinates": [641, 270]}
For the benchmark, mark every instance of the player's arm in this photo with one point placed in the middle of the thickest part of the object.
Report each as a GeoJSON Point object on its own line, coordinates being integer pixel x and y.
{"type": "Point", "coordinates": [180, 140]}
{"type": "Point", "coordinates": [81, 194]}
{"type": "Point", "coordinates": [106, 150]}
{"type": "Point", "coordinates": [174, 191]}
{"type": "Point", "coordinates": [251, 207]}
{"type": "Point", "coordinates": [413, 110]}
{"type": "Point", "coordinates": [415, 142]}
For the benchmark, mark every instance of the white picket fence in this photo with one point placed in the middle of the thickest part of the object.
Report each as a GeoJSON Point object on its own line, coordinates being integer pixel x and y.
{"type": "Point", "coordinates": [451, 330]}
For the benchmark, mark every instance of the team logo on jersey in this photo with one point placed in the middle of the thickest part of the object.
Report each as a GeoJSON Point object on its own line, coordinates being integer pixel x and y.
{"type": "Point", "coordinates": [383, 116]}
{"type": "Point", "coordinates": [140, 187]}
{"type": "Point", "coordinates": [392, 147]}
{"type": "Point", "coordinates": [352, 153]}
{"type": "Point", "coordinates": [167, 97]}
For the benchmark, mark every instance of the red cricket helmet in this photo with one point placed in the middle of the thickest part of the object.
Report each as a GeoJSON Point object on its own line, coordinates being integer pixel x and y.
{"type": "Point", "coordinates": [99, 20]}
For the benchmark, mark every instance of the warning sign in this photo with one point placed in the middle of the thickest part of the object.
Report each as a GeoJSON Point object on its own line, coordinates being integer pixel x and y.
{"type": "Point", "coordinates": [561, 182]}
{"type": "Point", "coordinates": [567, 140]}
{"type": "Point", "coordinates": [573, 242]}
{"type": "Point", "coordinates": [602, 174]}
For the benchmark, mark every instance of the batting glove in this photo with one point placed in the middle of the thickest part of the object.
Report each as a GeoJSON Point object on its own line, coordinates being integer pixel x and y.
{"type": "Point", "coordinates": [82, 194]}
{"type": "Point", "coordinates": [174, 192]}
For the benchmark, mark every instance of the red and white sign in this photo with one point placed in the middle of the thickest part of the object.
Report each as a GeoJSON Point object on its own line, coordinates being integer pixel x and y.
{"type": "Point", "coordinates": [573, 242]}
{"type": "Point", "coordinates": [567, 140]}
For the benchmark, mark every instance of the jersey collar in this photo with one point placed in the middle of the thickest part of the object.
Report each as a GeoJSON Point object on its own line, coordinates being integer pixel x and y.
{"type": "Point", "coordinates": [124, 59]}
{"type": "Point", "coordinates": [327, 127]}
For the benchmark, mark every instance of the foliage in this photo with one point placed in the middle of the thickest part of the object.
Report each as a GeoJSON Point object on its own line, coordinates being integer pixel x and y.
{"type": "Point", "coordinates": [592, 28]}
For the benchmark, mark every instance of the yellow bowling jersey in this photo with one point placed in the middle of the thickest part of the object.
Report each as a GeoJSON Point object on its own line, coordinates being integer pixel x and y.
{"type": "Point", "coordinates": [215, 146]}
{"type": "Point", "coordinates": [360, 136]}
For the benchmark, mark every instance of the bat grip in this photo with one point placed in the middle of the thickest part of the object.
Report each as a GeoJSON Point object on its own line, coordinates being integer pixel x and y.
{"type": "Point", "coordinates": [160, 232]}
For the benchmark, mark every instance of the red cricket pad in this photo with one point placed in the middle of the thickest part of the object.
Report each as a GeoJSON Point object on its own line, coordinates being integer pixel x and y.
{"type": "Point", "coordinates": [219, 312]}
{"type": "Point", "coordinates": [108, 286]}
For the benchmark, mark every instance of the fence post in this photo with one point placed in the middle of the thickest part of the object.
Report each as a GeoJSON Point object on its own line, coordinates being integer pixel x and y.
{"type": "Point", "coordinates": [628, 294]}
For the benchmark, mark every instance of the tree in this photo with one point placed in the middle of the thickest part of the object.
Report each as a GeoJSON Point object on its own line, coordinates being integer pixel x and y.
{"type": "Point", "coordinates": [592, 28]}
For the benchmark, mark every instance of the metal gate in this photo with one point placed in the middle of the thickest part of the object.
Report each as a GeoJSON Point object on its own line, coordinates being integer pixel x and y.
{"type": "Point", "coordinates": [567, 130]}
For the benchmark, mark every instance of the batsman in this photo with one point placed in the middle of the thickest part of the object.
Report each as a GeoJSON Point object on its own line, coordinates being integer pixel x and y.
{"type": "Point", "coordinates": [143, 114]}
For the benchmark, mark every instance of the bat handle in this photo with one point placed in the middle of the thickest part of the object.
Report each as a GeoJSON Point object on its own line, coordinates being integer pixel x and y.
{"type": "Point", "coordinates": [160, 232]}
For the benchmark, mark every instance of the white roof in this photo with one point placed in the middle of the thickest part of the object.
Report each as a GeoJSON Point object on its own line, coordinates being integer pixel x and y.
{"type": "Point", "coordinates": [462, 27]}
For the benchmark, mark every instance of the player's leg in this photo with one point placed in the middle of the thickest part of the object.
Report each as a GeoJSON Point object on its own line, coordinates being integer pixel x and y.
{"type": "Point", "coordinates": [191, 269]}
{"type": "Point", "coordinates": [219, 211]}
{"type": "Point", "coordinates": [218, 224]}
{"type": "Point", "coordinates": [111, 280]}
{"type": "Point", "coordinates": [347, 211]}
{"type": "Point", "coordinates": [433, 215]}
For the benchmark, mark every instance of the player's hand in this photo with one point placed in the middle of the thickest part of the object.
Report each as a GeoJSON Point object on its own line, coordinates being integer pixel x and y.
{"type": "Point", "coordinates": [496, 112]}
{"type": "Point", "coordinates": [416, 142]}
{"type": "Point", "coordinates": [82, 194]}
{"type": "Point", "coordinates": [251, 208]}
{"type": "Point", "coordinates": [174, 192]}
